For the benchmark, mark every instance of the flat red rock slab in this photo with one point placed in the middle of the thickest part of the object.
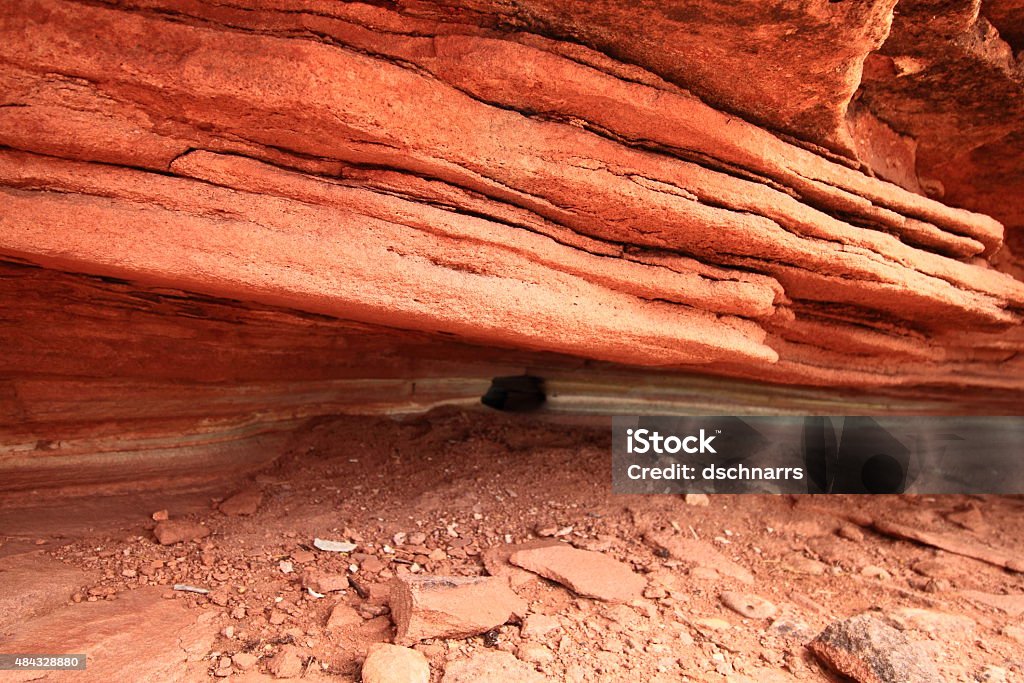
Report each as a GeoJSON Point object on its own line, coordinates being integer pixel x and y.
{"type": "Point", "coordinates": [245, 502]}
{"type": "Point", "coordinates": [586, 573]}
{"type": "Point", "coordinates": [698, 553]}
{"type": "Point", "coordinates": [496, 560]}
{"type": "Point", "coordinates": [34, 583]}
{"type": "Point", "coordinates": [177, 531]}
{"type": "Point", "coordinates": [136, 637]}
{"type": "Point", "coordinates": [450, 606]}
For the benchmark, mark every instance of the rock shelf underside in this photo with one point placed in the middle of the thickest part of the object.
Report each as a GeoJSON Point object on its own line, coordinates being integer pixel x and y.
{"type": "Point", "coordinates": [222, 219]}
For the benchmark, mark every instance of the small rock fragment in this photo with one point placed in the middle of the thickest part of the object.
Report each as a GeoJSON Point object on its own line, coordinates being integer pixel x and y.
{"type": "Point", "coordinates": [750, 606]}
{"type": "Point", "coordinates": [394, 664]}
{"type": "Point", "coordinates": [171, 531]}
{"type": "Point", "coordinates": [496, 561]}
{"type": "Point", "coordinates": [160, 516]}
{"type": "Point", "coordinates": [789, 626]}
{"type": "Point", "coordinates": [586, 573]}
{"type": "Point", "coordinates": [805, 565]}
{"type": "Point", "coordinates": [242, 503]}
{"type": "Point", "coordinates": [243, 661]}
{"type": "Point", "coordinates": [334, 546]}
{"type": "Point", "coordinates": [371, 565]}
{"type": "Point", "coordinates": [713, 623]}
{"type": "Point", "coordinates": [322, 582]}
{"type": "Point", "coordinates": [870, 651]}
{"type": "Point", "coordinates": [697, 499]}
{"type": "Point", "coordinates": [343, 618]}
{"type": "Point", "coordinates": [450, 606]}
{"type": "Point", "coordinates": [939, 568]}
{"type": "Point", "coordinates": [286, 663]}
{"type": "Point", "coordinates": [302, 557]}
{"type": "Point", "coordinates": [874, 572]}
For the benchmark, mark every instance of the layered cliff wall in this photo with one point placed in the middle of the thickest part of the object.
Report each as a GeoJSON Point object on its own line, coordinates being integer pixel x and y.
{"type": "Point", "coordinates": [221, 220]}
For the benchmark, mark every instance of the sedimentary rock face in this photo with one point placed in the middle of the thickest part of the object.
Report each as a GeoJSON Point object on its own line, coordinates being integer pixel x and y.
{"type": "Point", "coordinates": [444, 192]}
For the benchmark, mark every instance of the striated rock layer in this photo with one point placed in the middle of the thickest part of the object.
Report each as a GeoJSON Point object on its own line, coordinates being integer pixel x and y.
{"type": "Point", "coordinates": [280, 196]}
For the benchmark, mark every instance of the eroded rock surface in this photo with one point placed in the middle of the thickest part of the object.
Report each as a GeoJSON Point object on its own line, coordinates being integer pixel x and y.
{"type": "Point", "coordinates": [137, 636]}
{"type": "Point", "coordinates": [271, 204]}
{"type": "Point", "coordinates": [870, 651]}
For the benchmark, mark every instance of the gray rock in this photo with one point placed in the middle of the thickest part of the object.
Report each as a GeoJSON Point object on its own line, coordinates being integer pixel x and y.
{"type": "Point", "coordinates": [868, 650]}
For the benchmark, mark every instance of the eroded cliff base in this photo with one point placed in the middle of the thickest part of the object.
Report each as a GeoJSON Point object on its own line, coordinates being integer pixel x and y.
{"type": "Point", "coordinates": [439, 495]}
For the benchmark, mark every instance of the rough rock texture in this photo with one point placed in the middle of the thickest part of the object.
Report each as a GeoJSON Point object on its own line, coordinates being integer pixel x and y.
{"type": "Point", "coordinates": [23, 595]}
{"type": "Point", "coordinates": [586, 573]}
{"type": "Point", "coordinates": [700, 554]}
{"type": "Point", "coordinates": [393, 664]}
{"type": "Point", "coordinates": [450, 606]}
{"type": "Point", "coordinates": [748, 605]}
{"type": "Point", "coordinates": [949, 77]}
{"type": "Point", "coordinates": [496, 560]}
{"type": "Point", "coordinates": [139, 636]}
{"type": "Point", "coordinates": [490, 666]}
{"type": "Point", "coordinates": [289, 209]}
{"type": "Point", "coordinates": [245, 502]}
{"type": "Point", "coordinates": [870, 651]}
{"type": "Point", "coordinates": [174, 531]}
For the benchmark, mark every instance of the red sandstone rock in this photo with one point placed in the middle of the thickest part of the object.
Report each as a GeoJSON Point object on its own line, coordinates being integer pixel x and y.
{"type": "Point", "coordinates": [286, 663]}
{"type": "Point", "coordinates": [24, 595]}
{"type": "Point", "coordinates": [496, 560]}
{"type": "Point", "coordinates": [393, 664]}
{"type": "Point", "coordinates": [242, 503]}
{"type": "Point", "coordinates": [586, 573]}
{"type": "Point", "coordinates": [138, 637]}
{"type": "Point", "coordinates": [450, 606]}
{"type": "Point", "coordinates": [562, 192]}
{"type": "Point", "coordinates": [174, 531]}
{"type": "Point", "coordinates": [700, 554]}
{"type": "Point", "coordinates": [343, 618]}
{"type": "Point", "coordinates": [323, 582]}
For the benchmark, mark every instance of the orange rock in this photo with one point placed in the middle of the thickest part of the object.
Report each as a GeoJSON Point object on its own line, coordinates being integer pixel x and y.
{"type": "Point", "coordinates": [174, 531]}
{"type": "Point", "coordinates": [450, 606]}
{"type": "Point", "coordinates": [242, 503]}
{"type": "Point", "coordinates": [586, 573]}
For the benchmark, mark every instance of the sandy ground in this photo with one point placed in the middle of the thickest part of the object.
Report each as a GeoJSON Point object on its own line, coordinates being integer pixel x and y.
{"type": "Point", "coordinates": [430, 495]}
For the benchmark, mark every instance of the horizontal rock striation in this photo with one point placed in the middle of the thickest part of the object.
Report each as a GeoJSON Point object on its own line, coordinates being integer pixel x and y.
{"type": "Point", "coordinates": [462, 182]}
